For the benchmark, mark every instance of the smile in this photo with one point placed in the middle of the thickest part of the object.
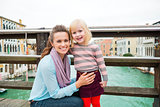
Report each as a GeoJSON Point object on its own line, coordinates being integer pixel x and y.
{"type": "Point", "coordinates": [79, 38]}
{"type": "Point", "coordinates": [64, 49]}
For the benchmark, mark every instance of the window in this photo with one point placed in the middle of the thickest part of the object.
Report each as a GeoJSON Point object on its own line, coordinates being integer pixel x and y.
{"type": "Point", "coordinates": [24, 48]}
{"type": "Point", "coordinates": [6, 68]}
{"type": "Point", "coordinates": [128, 50]}
{"type": "Point", "coordinates": [18, 48]}
{"type": "Point", "coordinates": [128, 42]}
{"type": "Point", "coordinates": [4, 47]}
{"type": "Point", "coordinates": [15, 48]}
{"type": "Point", "coordinates": [4, 27]}
{"type": "Point", "coordinates": [10, 48]}
{"type": "Point", "coordinates": [115, 49]}
{"type": "Point", "coordinates": [1, 69]}
{"type": "Point", "coordinates": [136, 50]}
{"type": "Point", "coordinates": [0, 48]}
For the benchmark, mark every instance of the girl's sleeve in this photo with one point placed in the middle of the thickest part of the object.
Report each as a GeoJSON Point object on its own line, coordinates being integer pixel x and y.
{"type": "Point", "coordinates": [50, 80]}
{"type": "Point", "coordinates": [101, 64]}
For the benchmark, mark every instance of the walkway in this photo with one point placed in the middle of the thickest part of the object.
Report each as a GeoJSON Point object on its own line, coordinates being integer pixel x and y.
{"type": "Point", "coordinates": [13, 103]}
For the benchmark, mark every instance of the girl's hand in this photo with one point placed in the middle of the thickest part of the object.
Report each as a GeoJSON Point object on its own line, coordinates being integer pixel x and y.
{"type": "Point", "coordinates": [103, 83]}
{"type": "Point", "coordinates": [85, 79]}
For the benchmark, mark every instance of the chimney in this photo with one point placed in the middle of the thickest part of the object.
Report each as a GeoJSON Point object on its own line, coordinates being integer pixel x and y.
{"type": "Point", "coordinates": [20, 21]}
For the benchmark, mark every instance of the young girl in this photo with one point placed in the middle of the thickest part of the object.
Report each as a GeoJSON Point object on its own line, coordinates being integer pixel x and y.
{"type": "Point", "coordinates": [87, 58]}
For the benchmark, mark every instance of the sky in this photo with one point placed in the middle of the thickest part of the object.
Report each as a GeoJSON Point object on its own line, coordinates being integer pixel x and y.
{"type": "Point", "coordinates": [48, 13]}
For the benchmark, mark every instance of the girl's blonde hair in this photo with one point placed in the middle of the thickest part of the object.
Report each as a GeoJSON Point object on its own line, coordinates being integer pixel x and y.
{"type": "Point", "coordinates": [80, 22]}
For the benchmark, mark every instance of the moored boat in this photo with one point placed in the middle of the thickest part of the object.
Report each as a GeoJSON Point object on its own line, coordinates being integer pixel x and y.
{"type": "Point", "coordinates": [2, 90]}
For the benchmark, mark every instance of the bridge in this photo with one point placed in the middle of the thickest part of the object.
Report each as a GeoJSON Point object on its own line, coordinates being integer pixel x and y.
{"type": "Point", "coordinates": [41, 36]}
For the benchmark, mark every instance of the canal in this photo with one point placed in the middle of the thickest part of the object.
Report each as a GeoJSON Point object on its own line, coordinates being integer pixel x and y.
{"type": "Point", "coordinates": [118, 76]}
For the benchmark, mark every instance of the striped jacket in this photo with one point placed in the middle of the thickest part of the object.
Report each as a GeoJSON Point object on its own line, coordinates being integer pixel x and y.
{"type": "Point", "coordinates": [89, 58]}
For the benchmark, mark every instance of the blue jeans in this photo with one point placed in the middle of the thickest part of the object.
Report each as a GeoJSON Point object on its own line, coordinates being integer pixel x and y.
{"type": "Point", "coordinates": [72, 101]}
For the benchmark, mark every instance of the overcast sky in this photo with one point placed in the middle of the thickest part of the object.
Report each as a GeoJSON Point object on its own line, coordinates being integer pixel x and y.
{"type": "Point", "coordinates": [48, 13]}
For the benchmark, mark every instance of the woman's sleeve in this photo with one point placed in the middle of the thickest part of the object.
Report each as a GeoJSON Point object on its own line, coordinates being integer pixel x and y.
{"type": "Point", "coordinates": [50, 80]}
{"type": "Point", "coordinates": [73, 80]}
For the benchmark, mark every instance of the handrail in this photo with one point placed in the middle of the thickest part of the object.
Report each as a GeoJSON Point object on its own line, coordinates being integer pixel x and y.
{"type": "Point", "coordinates": [109, 90]}
{"type": "Point", "coordinates": [109, 61]}
{"type": "Point", "coordinates": [101, 31]}
{"type": "Point", "coordinates": [92, 29]}
{"type": "Point", "coordinates": [19, 59]}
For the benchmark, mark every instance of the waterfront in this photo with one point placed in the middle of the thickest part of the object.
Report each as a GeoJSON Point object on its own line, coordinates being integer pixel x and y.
{"type": "Point", "coordinates": [118, 76]}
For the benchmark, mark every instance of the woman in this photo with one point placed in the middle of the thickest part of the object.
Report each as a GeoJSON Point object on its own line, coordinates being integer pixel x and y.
{"type": "Point", "coordinates": [52, 86]}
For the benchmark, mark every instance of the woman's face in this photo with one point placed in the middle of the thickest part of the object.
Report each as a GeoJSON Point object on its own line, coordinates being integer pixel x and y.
{"type": "Point", "coordinates": [61, 43]}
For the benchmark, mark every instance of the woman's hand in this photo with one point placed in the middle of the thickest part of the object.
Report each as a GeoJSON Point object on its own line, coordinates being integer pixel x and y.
{"type": "Point", "coordinates": [85, 79]}
{"type": "Point", "coordinates": [103, 83]}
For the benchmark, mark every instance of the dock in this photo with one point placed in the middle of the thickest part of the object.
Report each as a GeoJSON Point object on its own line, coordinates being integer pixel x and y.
{"type": "Point", "coordinates": [13, 103]}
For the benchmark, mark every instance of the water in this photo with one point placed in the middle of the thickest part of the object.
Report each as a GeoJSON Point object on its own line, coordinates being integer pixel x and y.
{"type": "Point", "coordinates": [118, 76]}
{"type": "Point", "coordinates": [122, 76]}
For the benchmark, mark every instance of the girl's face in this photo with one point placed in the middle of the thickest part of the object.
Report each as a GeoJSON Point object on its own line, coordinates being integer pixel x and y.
{"type": "Point", "coordinates": [61, 43]}
{"type": "Point", "coordinates": [78, 35]}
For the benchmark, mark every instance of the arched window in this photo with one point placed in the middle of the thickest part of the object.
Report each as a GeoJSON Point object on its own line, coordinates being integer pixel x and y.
{"type": "Point", "coordinates": [18, 48]}
{"type": "Point", "coordinates": [13, 48]}
{"type": "Point", "coordinates": [10, 48]}
{"type": "Point", "coordinates": [24, 48]}
{"type": "Point", "coordinates": [147, 51]}
{"type": "Point", "coordinates": [4, 47]}
{"type": "Point", "coordinates": [4, 27]}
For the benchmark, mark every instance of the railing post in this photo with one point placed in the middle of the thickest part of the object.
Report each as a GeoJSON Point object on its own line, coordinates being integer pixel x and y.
{"type": "Point", "coordinates": [157, 73]}
{"type": "Point", "coordinates": [157, 85]}
{"type": "Point", "coordinates": [41, 41]}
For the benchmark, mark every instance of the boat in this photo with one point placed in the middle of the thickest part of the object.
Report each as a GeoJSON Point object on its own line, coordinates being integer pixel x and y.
{"type": "Point", "coordinates": [2, 90]}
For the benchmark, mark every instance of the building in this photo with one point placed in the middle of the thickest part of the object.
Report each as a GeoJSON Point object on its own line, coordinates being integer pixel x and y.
{"type": "Point", "coordinates": [105, 46]}
{"type": "Point", "coordinates": [114, 46]}
{"type": "Point", "coordinates": [126, 45]}
{"type": "Point", "coordinates": [146, 46]}
{"type": "Point", "coordinates": [7, 24]}
{"type": "Point", "coordinates": [12, 47]}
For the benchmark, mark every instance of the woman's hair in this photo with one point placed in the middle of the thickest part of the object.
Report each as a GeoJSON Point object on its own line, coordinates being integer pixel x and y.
{"type": "Point", "coordinates": [57, 28]}
{"type": "Point", "coordinates": [80, 22]}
